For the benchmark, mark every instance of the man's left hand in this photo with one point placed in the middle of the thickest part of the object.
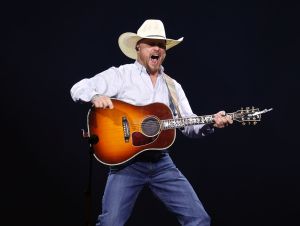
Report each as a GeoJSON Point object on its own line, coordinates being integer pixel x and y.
{"type": "Point", "coordinates": [221, 119]}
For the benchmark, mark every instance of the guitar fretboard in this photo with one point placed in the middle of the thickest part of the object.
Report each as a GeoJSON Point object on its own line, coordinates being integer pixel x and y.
{"type": "Point", "coordinates": [182, 122]}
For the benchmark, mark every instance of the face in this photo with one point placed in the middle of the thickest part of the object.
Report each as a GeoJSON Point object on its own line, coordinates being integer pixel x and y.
{"type": "Point", "coordinates": [151, 53]}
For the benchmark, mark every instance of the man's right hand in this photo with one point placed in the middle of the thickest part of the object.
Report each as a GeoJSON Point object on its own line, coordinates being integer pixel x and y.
{"type": "Point", "coordinates": [102, 102]}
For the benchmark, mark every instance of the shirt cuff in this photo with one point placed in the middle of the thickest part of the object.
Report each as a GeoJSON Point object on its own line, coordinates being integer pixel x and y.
{"type": "Point", "coordinates": [207, 129]}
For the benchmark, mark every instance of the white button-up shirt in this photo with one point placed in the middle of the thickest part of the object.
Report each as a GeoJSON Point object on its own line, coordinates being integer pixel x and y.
{"type": "Point", "coordinates": [132, 84]}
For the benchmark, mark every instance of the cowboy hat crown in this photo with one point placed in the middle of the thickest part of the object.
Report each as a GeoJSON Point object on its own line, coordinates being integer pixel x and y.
{"type": "Point", "coordinates": [152, 29]}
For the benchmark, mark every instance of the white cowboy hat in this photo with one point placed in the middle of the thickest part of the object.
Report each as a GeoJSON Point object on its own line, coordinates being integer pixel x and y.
{"type": "Point", "coordinates": [152, 29]}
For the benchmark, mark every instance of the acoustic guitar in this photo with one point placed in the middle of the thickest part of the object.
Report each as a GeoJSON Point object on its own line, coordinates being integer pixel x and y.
{"type": "Point", "coordinates": [127, 130]}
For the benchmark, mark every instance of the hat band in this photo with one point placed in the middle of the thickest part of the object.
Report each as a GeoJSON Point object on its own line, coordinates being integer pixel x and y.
{"type": "Point", "coordinates": [159, 36]}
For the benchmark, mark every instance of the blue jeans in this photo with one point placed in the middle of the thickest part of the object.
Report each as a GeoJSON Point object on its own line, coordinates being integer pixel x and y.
{"type": "Point", "coordinates": [164, 180]}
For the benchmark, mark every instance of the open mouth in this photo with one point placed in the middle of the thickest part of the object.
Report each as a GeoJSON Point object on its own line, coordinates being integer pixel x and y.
{"type": "Point", "coordinates": [154, 58]}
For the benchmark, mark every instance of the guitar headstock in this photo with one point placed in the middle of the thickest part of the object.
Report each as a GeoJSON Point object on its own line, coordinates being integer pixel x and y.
{"type": "Point", "coordinates": [247, 116]}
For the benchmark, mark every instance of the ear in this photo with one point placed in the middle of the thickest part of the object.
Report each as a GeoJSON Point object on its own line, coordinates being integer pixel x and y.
{"type": "Point", "coordinates": [137, 48]}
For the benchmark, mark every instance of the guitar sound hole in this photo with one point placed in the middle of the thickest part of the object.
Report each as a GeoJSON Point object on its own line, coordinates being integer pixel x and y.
{"type": "Point", "coordinates": [150, 126]}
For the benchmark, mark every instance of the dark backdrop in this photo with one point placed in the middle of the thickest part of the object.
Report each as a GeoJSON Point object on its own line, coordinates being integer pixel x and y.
{"type": "Point", "coordinates": [234, 54]}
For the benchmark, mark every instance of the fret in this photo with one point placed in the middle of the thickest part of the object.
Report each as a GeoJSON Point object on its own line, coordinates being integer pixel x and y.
{"type": "Point", "coordinates": [182, 122]}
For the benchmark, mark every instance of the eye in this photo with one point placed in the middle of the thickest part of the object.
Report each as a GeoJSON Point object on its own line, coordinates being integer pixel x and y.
{"type": "Point", "coordinates": [162, 45]}
{"type": "Point", "coordinates": [159, 44]}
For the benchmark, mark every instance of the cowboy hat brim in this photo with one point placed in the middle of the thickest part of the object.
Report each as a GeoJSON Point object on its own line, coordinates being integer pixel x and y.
{"type": "Point", "coordinates": [127, 43]}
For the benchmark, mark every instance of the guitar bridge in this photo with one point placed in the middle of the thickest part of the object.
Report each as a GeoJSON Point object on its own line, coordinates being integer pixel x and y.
{"type": "Point", "coordinates": [126, 129]}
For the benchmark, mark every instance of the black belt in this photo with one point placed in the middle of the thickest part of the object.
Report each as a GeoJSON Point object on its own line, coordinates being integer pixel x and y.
{"type": "Point", "coordinates": [146, 156]}
{"type": "Point", "coordinates": [150, 156]}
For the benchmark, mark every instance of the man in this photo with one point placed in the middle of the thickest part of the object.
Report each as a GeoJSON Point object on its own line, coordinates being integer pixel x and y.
{"type": "Point", "coordinates": [142, 83]}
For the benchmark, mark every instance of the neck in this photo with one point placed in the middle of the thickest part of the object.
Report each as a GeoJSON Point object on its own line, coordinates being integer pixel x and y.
{"type": "Point", "coordinates": [153, 78]}
{"type": "Point", "coordinates": [153, 74]}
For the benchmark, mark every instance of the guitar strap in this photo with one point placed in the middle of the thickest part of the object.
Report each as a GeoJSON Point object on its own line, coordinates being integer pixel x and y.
{"type": "Point", "coordinates": [172, 91]}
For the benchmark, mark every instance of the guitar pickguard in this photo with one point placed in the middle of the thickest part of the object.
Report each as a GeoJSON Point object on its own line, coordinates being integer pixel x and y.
{"type": "Point", "coordinates": [139, 139]}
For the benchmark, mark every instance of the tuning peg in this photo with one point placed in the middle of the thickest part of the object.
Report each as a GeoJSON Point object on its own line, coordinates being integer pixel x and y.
{"type": "Point", "coordinates": [243, 123]}
{"type": "Point", "coordinates": [255, 122]}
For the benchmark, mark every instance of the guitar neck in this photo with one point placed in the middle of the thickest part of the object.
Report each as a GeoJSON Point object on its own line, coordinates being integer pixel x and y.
{"type": "Point", "coordinates": [189, 121]}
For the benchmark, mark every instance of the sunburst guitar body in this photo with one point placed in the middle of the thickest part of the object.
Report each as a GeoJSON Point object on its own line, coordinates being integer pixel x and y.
{"type": "Point", "coordinates": [127, 130]}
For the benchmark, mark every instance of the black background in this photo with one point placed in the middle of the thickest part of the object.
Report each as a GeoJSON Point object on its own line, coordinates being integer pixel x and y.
{"type": "Point", "coordinates": [234, 54]}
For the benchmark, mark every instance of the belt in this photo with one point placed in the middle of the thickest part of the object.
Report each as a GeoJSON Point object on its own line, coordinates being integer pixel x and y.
{"type": "Point", "coordinates": [150, 156]}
